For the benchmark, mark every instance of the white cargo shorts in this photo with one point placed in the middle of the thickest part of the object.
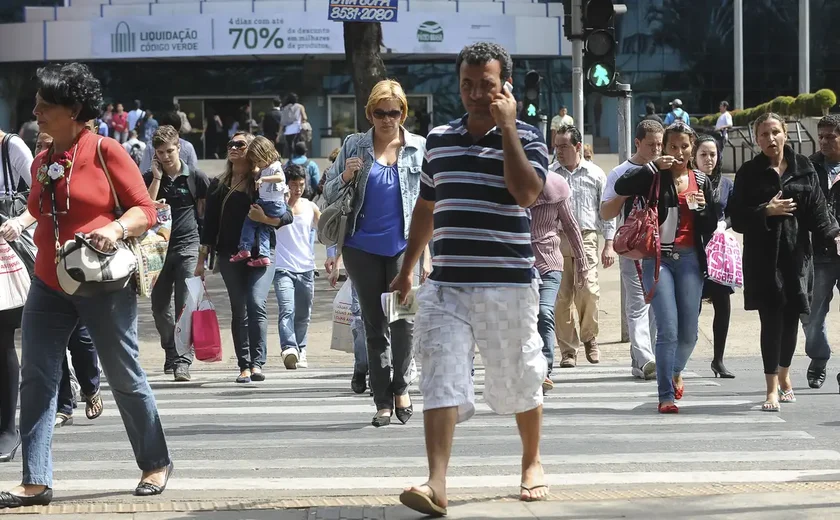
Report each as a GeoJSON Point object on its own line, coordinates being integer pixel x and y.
{"type": "Point", "coordinates": [502, 322]}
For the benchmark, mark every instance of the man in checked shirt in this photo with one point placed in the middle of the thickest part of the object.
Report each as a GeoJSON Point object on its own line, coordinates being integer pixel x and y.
{"type": "Point", "coordinates": [586, 181]}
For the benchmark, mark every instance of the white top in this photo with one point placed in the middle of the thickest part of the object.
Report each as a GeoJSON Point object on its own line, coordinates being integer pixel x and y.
{"type": "Point", "coordinates": [557, 121]}
{"type": "Point", "coordinates": [128, 145]}
{"type": "Point", "coordinates": [20, 158]}
{"type": "Point", "coordinates": [609, 188]}
{"type": "Point", "coordinates": [133, 117]}
{"type": "Point", "coordinates": [725, 119]}
{"type": "Point", "coordinates": [297, 116]}
{"type": "Point", "coordinates": [273, 191]}
{"type": "Point", "coordinates": [294, 249]}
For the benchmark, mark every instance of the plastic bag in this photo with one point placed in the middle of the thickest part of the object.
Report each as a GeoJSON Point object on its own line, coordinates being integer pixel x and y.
{"type": "Point", "coordinates": [183, 325]}
{"type": "Point", "coordinates": [723, 260]}
{"type": "Point", "coordinates": [342, 335]}
{"type": "Point", "coordinates": [14, 278]}
{"type": "Point", "coordinates": [206, 336]}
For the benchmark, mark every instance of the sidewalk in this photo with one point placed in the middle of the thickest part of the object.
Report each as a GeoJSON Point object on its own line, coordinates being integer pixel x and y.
{"type": "Point", "coordinates": [822, 505]}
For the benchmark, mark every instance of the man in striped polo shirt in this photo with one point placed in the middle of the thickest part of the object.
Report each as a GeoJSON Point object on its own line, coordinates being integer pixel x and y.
{"type": "Point", "coordinates": [479, 175]}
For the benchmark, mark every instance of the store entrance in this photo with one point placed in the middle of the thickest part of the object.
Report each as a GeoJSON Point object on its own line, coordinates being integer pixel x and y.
{"type": "Point", "coordinates": [214, 120]}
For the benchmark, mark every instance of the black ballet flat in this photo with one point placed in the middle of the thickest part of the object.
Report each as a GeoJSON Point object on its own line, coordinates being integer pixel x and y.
{"type": "Point", "coordinates": [10, 501]}
{"type": "Point", "coordinates": [8, 457]}
{"type": "Point", "coordinates": [381, 420]}
{"type": "Point", "coordinates": [145, 489]}
{"type": "Point", "coordinates": [404, 414]}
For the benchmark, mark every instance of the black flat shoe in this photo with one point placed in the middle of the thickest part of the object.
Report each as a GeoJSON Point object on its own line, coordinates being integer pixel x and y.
{"type": "Point", "coordinates": [720, 370]}
{"type": "Point", "coordinates": [8, 457]}
{"type": "Point", "coordinates": [10, 501]}
{"type": "Point", "coordinates": [816, 374]}
{"type": "Point", "coordinates": [358, 384]}
{"type": "Point", "coordinates": [381, 420]}
{"type": "Point", "coordinates": [145, 489]}
{"type": "Point", "coordinates": [838, 379]}
{"type": "Point", "coordinates": [404, 414]}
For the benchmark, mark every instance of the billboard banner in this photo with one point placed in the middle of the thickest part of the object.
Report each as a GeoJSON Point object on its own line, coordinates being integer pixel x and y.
{"type": "Point", "coordinates": [291, 33]}
{"type": "Point", "coordinates": [363, 10]}
{"type": "Point", "coordinates": [150, 37]}
{"type": "Point", "coordinates": [447, 33]}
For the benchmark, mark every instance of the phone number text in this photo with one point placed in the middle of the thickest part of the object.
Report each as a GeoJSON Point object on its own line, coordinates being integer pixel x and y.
{"type": "Point", "coordinates": [363, 14]}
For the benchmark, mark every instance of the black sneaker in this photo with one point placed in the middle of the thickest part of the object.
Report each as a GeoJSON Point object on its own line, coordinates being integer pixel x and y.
{"type": "Point", "coordinates": [358, 384]}
{"type": "Point", "coordinates": [168, 369]}
{"type": "Point", "coordinates": [182, 373]}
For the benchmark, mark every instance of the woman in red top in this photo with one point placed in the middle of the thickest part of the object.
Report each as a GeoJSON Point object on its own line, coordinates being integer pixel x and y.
{"type": "Point", "coordinates": [119, 122]}
{"type": "Point", "coordinates": [68, 95]}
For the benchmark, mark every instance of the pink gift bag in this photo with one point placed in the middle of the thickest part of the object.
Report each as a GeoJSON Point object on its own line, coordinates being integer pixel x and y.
{"type": "Point", "coordinates": [206, 336]}
{"type": "Point", "coordinates": [723, 260]}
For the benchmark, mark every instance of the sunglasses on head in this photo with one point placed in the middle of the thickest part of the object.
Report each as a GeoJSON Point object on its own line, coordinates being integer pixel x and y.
{"type": "Point", "coordinates": [382, 114]}
{"type": "Point", "coordinates": [236, 145]}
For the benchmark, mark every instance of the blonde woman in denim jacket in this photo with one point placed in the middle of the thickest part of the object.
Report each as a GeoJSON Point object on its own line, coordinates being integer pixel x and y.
{"type": "Point", "coordinates": [385, 162]}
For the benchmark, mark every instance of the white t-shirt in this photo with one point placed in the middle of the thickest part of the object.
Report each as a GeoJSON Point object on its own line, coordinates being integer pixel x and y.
{"type": "Point", "coordinates": [128, 145]}
{"type": "Point", "coordinates": [20, 158]}
{"type": "Point", "coordinates": [609, 188]}
{"type": "Point", "coordinates": [725, 119]}
{"type": "Point", "coordinates": [294, 249]}
{"type": "Point", "coordinates": [273, 191]}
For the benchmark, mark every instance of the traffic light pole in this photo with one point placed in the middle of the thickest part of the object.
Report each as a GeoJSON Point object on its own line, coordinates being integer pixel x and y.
{"type": "Point", "coordinates": [577, 63]}
{"type": "Point", "coordinates": [625, 150]}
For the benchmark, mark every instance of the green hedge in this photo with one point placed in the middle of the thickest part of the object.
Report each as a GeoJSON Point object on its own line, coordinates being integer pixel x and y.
{"type": "Point", "coordinates": [803, 105]}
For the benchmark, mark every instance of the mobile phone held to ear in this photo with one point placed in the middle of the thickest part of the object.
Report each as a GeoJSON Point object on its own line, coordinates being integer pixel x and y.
{"type": "Point", "coordinates": [509, 87]}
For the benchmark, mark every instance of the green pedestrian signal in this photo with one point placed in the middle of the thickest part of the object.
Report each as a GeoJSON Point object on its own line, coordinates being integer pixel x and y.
{"type": "Point", "coordinates": [532, 111]}
{"type": "Point", "coordinates": [600, 76]}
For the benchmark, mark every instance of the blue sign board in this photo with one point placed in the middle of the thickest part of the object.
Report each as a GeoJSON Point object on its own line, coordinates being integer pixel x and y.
{"type": "Point", "coordinates": [363, 10]}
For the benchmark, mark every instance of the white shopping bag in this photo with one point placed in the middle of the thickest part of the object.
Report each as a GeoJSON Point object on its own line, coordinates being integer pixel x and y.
{"type": "Point", "coordinates": [14, 278]}
{"type": "Point", "coordinates": [183, 325]}
{"type": "Point", "coordinates": [342, 334]}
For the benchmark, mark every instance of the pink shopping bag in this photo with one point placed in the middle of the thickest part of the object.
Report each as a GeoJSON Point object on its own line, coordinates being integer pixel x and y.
{"type": "Point", "coordinates": [723, 260]}
{"type": "Point", "coordinates": [206, 336]}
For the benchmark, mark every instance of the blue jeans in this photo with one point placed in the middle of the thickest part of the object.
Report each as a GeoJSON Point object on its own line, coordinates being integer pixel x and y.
{"type": "Point", "coordinates": [258, 231]}
{"type": "Point", "coordinates": [294, 292]}
{"type": "Point", "coordinates": [676, 305]}
{"type": "Point", "coordinates": [86, 366]}
{"type": "Point", "coordinates": [826, 278]}
{"type": "Point", "coordinates": [49, 319]}
{"type": "Point", "coordinates": [548, 296]}
{"type": "Point", "coordinates": [359, 338]}
{"type": "Point", "coordinates": [247, 289]}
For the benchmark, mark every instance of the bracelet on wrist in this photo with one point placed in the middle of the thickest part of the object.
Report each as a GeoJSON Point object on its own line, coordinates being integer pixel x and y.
{"type": "Point", "coordinates": [124, 229]}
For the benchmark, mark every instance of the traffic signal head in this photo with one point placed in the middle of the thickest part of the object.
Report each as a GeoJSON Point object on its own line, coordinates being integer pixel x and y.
{"type": "Point", "coordinates": [531, 101]}
{"type": "Point", "coordinates": [599, 45]}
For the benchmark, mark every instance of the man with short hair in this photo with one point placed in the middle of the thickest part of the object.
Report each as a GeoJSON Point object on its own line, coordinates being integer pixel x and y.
{"type": "Point", "coordinates": [724, 123]}
{"type": "Point", "coordinates": [479, 176]}
{"type": "Point", "coordinates": [586, 181]}
{"type": "Point", "coordinates": [562, 118]}
{"type": "Point", "coordinates": [677, 114]}
{"type": "Point", "coordinates": [187, 153]}
{"type": "Point", "coordinates": [826, 259]}
{"type": "Point", "coordinates": [271, 124]}
{"type": "Point", "coordinates": [135, 115]}
{"type": "Point", "coordinates": [640, 319]}
{"type": "Point", "coordinates": [185, 190]}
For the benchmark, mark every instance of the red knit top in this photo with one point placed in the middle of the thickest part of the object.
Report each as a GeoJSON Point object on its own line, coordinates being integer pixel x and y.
{"type": "Point", "coordinates": [92, 204]}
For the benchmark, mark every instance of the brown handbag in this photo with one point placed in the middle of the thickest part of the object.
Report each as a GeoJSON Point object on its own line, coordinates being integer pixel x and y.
{"type": "Point", "coordinates": [638, 237]}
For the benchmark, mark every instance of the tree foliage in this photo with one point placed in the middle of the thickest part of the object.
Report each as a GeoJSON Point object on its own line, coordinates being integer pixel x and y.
{"type": "Point", "coordinates": [362, 44]}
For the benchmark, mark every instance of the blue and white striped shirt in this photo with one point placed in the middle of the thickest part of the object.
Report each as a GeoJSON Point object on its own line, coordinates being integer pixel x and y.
{"type": "Point", "coordinates": [482, 236]}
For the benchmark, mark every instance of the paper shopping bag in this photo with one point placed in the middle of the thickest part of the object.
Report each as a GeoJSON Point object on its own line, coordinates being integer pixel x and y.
{"type": "Point", "coordinates": [206, 336]}
{"type": "Point", "coordinates": [342, 334]}
{"type": "Point", "coordinates": [14, 278]}
{"type": "Point", "coordinates": [183, 325]}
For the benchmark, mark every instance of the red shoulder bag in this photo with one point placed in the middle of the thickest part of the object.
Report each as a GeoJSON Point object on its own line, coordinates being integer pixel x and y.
{"type": "Point", "coordinates": [638, 237]}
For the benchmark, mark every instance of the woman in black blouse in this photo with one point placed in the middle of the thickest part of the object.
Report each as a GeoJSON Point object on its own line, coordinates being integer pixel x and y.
{"type": "Point", "coordinates": [230, 198]}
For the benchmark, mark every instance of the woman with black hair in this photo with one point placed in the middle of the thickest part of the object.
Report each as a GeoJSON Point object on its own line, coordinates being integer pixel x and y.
{"type": "Point", "coordinates": [71, 194]}
{"type": "Point", "coordinates": [687, 216]}
{"type": "Point", "coordinates": [707, 160]}
{"type": "Point", "coordinates": [777, 204]}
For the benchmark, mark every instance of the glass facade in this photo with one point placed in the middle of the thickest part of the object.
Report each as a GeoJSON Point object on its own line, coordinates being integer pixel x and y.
{"type": "Point", "coordinates": [667, 49]}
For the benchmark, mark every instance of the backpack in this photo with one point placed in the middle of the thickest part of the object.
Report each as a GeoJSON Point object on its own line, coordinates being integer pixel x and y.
{"type": "Point", "coordinates": [289, 115]}
{"type": "Point", "coordinates": [136, 153]}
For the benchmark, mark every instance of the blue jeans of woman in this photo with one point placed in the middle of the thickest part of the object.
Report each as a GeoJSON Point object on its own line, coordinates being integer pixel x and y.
{"type": "Point", "coordinates": [49, 319]}
{"type": "Point", "coordinates": [549, 288]}
{"type": "Point", "coordinates": [676, 305]}
{"type": "Point", "coordinates": [86, 366]}
{"type": "Point", "coordinates": [294, 292]}
{"type": "Point", "coordinates": [247, 289]}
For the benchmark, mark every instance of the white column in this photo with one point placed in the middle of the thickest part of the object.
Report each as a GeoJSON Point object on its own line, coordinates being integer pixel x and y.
{"type": "Point", "coordinates": [804, 47]}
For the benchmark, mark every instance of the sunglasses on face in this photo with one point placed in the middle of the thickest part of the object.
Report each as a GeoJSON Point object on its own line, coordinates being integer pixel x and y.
{"type": "Point", "coordinates": [382, 114]}
{"type": "Point", "coordinates": [236, 145]}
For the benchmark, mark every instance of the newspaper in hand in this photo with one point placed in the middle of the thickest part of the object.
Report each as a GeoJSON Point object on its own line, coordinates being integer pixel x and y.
{"type": "Point", "coordinates": [394, 310]}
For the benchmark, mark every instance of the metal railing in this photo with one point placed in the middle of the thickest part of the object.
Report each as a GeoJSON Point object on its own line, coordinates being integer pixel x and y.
{"type": "Point", "coordinates": [741, 144]}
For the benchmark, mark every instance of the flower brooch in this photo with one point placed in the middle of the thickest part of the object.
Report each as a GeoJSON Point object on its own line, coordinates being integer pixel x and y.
{"type": "Point", "coordinates": [49, 174]}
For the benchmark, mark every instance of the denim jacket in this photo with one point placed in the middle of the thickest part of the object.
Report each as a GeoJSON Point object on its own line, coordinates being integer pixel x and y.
{"type": "Point", "coordinates": [409, 163]}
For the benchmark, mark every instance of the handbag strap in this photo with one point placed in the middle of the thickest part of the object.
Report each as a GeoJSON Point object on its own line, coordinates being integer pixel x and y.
{"type": "Point", "coordinates": [652, 204]}
{"type": "Point", "coordinates": [118, 211]}
{"type": "Point", "coordinates": [8, 178]}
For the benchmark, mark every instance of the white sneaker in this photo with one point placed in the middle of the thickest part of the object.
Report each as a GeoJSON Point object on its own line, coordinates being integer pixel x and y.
{"type": "Point", "coordinates": [302, 363]}
{"type": "Point", "coordinates": [290, 358]}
